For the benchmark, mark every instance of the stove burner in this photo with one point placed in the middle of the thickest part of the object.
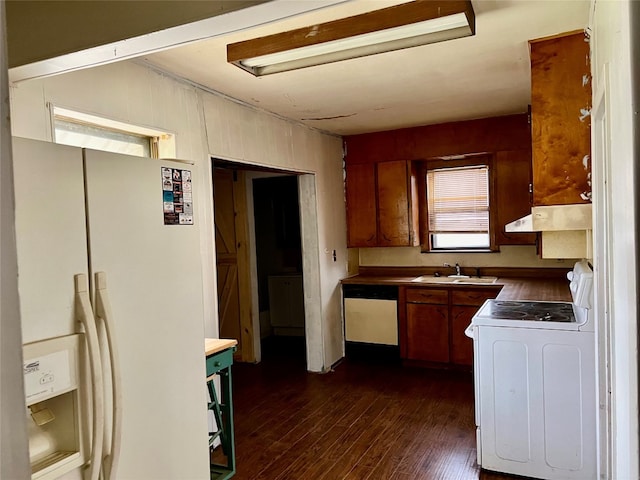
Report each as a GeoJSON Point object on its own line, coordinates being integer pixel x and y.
{"type": "Point", "coordinates": [498, 303]}
{"type": "Point", "coordinates": [530, 311]}
{"type": "Point", "coordinates": [553, 317]}
{"type": "Point", "coordinates": [508, 313]}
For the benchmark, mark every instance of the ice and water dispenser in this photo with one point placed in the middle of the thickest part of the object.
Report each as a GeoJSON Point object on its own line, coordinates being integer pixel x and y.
{"type": "Point", "coordinates": [54, 396]}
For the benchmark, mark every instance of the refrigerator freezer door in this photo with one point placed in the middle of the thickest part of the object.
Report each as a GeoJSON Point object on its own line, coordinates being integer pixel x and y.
{"type": "Point", "coordinates": [50, 235]}
{"type": "Point", "coordinates": [155, 289]}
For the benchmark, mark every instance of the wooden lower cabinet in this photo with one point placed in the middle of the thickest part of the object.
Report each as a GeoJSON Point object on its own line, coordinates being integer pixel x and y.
{"type": "Point", "coordinates": [433, 321]}
{"type": "Point", "coordinates": [461, 345]}
{"type": "Point", "coordinates": [429, 332]}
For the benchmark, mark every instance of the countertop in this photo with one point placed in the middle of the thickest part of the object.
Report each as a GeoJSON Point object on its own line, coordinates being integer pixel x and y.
{"type": "Point", "coordinates": [215, 345]}
{"type": "Point", "coordinates": [513, 288]}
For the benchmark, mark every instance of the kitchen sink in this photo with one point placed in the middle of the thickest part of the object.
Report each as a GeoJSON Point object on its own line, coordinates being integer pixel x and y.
{"type": "Point", "coordinates": [454, 279]}
{"type": "Point", "coordinates": [432, 279]}
{"type": "Point", "coordinates": [475, 280]}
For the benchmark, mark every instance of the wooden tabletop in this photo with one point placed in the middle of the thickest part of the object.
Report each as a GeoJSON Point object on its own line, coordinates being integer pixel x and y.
{"type": "Point", "coordinates": [215, 345]}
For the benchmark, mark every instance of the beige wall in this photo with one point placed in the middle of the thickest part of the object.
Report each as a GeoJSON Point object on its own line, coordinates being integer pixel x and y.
{"type": "Point", "coordinates": [509, 256]}
{"type": "Point", "coordinates": [239, 133]}
{"type": "Point", "coordinates": [206, 124]}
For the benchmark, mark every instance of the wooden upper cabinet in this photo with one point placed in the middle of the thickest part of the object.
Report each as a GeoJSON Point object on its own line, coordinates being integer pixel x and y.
{"type": "Point", "coordinates": [382, 186]}
{"type": "Point", "coordinates": [560, 120]}
{"type": "Point", "coordinates": [513, 198]}
{"type": "Point", "coordinates": [381, 207]}
{"type": "Point", "coordinates": [395, 220]}
{"type": "Point", "coordinates": [361, 205]}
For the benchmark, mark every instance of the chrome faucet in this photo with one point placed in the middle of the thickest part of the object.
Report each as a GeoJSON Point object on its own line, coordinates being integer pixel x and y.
{"type": "Point", "coordinates": [457, 267]}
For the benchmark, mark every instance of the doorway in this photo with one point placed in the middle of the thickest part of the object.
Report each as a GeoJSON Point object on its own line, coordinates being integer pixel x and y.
{"type": "Point", "coordinates": [266, 260]}
{"type": "Point", "coordinates": [279, 268]}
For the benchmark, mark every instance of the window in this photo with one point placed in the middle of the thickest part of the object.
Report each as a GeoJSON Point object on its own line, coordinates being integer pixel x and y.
{"type": "Point", "coordinates": [458, 214]}
{"type": "Point", "coordinates": [90, 131]}
{"type": "Point", "coordinates": [71, 132]}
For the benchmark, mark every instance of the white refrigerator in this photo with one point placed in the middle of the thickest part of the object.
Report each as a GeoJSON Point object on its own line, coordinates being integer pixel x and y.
{"type": "Point", "coordinates": [80, 211]}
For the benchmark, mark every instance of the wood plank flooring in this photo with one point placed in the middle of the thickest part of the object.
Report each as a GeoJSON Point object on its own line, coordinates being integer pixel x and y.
{"type": "Point", "coordinates": [362, 421]}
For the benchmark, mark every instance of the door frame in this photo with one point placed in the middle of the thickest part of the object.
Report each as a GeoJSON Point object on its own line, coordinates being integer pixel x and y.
{"type": "Point", "coordinates": [603, 275]}
{"type": "Point", "coordinates": [314, 336]}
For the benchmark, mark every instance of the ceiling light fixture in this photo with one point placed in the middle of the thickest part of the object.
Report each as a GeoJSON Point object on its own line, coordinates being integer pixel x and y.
{"type": "Point", "coordinates": [407, 25]}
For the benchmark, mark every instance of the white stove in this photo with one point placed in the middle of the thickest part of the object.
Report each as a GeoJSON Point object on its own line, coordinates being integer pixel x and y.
{"type": "Point", "coordinates": [545, 315]}
{"type": "Point", "coordinates": [534, 372]}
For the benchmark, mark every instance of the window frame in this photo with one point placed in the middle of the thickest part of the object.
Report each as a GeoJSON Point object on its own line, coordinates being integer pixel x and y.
{"type": "Point", "coordinates": [162, 144]}
{"type": "Point", "coordinates": [475, 160]}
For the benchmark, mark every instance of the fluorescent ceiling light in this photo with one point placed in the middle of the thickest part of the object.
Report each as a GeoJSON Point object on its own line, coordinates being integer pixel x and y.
{"type": "Point", "coordinates": [407, 25]}
{"type": "Point", "coordinates": [392, 36]}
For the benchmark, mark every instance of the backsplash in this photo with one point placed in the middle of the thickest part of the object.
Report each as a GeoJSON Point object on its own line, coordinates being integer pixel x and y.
{"type": "Point", "coordinates": [509, 256]}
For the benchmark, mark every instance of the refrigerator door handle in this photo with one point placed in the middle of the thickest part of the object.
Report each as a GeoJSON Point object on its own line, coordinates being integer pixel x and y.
{"type": "Point", "coordinates": [105, 315]}
{"type": "Point", "coordinates": [84, 315]}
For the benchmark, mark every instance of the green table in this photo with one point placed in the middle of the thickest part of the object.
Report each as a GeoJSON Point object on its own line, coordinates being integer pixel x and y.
{"type": "Point", "coordinates": [219, 358]}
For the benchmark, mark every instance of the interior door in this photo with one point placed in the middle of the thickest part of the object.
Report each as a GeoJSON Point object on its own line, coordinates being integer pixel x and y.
{"type": "Point", "coordinates": [153, 267]}
{"type": "Point", "coordinates": [232, 264]}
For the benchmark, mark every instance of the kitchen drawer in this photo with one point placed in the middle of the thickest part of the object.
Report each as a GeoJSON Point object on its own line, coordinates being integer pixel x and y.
{"type": "Point", "coordinates": [219, 361]}
{"type": "Point", "coordinates": [472, 297]}
{"type": "Point", "coordinates": [427, 295]}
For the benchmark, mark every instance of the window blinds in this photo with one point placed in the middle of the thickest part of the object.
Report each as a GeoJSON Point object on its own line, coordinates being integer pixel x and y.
{"type": "Point", "coordinates": [458, 200]}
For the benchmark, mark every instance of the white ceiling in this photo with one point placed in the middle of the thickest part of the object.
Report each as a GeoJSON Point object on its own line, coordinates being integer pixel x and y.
{"type": "Point", "coordinates": [474, 77]}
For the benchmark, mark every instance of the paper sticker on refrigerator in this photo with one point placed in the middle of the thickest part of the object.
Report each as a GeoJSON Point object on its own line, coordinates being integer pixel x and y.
{"type": "Point", "coordinates": [177, 196]}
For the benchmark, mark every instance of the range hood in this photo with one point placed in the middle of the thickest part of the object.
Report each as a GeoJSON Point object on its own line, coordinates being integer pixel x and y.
{"type": "Point", "coordinates": [554, 218]}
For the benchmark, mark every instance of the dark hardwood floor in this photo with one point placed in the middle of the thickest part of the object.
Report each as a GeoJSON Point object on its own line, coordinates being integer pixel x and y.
{"type": "Point", "coordinates": [364, 420]}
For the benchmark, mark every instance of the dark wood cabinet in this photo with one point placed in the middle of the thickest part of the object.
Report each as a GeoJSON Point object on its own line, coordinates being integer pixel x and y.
{"type": "Point", "coordinates": [396, 226]}
{"type": "Point", "coordinates": [381, 208]}
{"type": "Point", "coordinates": [361, 205]}
{"type": "Point", "coordinates": [428, 327]}
{"type": "Point", "coordinates": [513, 195]}
{"type": "Point", "coordinates": [427, 324]}
{"type": "Point", "coordinates": [461, 345]}
{"type": "Point", "coordinates": [464, 305]}
{"type": "Point", "coordinates": [473, 296]}
{"type": "Point", "coordinates": [381, 185]}
{"type": "Point", "coordinates": [560, 119]}
{"type": "Point", "coordinates": [432, 322]}
{"type": "Point", "coordinates": [427, 295]}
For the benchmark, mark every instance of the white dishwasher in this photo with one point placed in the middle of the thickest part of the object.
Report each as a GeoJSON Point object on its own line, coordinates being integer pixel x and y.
{"type": "Point", "coordinates": [371, 314]}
